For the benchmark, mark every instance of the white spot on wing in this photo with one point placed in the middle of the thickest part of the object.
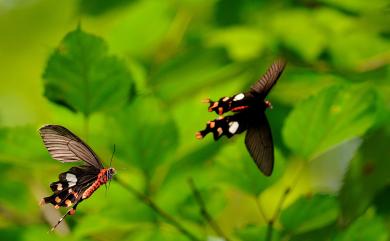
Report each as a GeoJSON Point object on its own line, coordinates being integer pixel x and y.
{"type": "Point", "coordinates": [71, 178]}
{"type": "Point", "coordinates": [240, 96]}
{"type": "Point", "coordinates": [233, 126]}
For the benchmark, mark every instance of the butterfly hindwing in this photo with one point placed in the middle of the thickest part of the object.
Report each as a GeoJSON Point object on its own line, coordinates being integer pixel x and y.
{"type": "Point", "coordinates": [228, 126]}
{"type": "Point", "coordinates": [65, 146]}
{"type": "Point", "coordinates": [258, 141]}
{"type": "Point", "coordinates": [71, 185]}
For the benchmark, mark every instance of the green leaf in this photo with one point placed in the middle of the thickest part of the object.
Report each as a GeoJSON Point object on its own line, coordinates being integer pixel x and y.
{"type": "Point", "coordinates": [381, 202]}
{"type": "Point", "coordinates": [234, 161]}
{"type": "Point", "coordinates": [242, 43]}
{"type": "Point", "coordinates": [308, 213]}
{"type": "Point", "coordinates": [98, 7]}
{"type": "Point", "coordinates": [350, 51]}
{"type": "Point", "coordinates": [131, 34]}
{"type": "Point", "coordinates": [358, 6]}
{"type": "Point", "coordinates": [304, 80]}
{"type": "Point", "coordinates": [155, 233]}
{"type": "Point", "coordinates": [149, 132]}
{"type": "Point", "coordinates": [254, 233]}
{"type": "Point", "coordinates": [365, 228]}
{"type": "Point", "coordinates": [333, 116]}
{"type": "Point", "coordinates": [11, 233]}
{"type": "Point", "coordinates": [214, 201]}
{"type": "Point", "coordinates": [21, 146]}
{"type": "Point", "coordinates": [367, 175]}
{"type": "Point", "coordinates": [300, 33]}
{"type": "Point", "coordinates": [82, 76]}
{"type": "Point", "coordinates": [181, 77]}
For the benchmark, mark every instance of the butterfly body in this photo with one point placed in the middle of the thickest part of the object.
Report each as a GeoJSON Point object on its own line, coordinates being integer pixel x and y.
{"type": "Point", "coordinates": [79, 182]}
{"type": "Point", "coordinates": [249, 108]}
{"type": "Point", "coordinates": [103, 177]}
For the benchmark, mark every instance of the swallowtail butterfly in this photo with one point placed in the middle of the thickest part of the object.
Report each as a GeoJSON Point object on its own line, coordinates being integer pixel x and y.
{"type": "Point", "coordinates": [249, 108]}
{"type": "Point", "coordinates": [80, 182]}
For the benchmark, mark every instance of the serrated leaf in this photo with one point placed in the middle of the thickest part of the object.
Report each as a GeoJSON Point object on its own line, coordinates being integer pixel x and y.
{"type": "Point", "coordinates": [308, 213]}
{"type": "Point", "coordinates": [149, 132]}
{"type": "Point", "coordinates": [333, 116]}
{"type": "Point", "coordinates": [82, 76]}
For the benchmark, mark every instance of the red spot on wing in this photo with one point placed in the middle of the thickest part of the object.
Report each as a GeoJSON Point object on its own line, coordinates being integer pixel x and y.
{"type": "Point", "coordinates": [238, 108]}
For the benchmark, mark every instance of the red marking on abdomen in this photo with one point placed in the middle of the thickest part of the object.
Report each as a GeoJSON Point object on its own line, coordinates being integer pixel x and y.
{"type": "Point", "coordinates": [238, 108]}
{"type": "Point", "coordinates": [101, 179]}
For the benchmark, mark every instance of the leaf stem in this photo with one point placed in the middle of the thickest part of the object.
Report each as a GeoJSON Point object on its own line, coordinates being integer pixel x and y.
{"type": "Point", "coordinates": [147, 201]}
{"type": "Point", "coordinates": [203, 210]}
{"type": "Point", "coordinates": [281, 202]}
{"type": "Point", "coordinates": [261, 210]}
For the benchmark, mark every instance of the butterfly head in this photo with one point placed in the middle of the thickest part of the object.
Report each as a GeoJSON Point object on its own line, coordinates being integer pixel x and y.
{"type": "Point", "coordinates": [268, 104]}
{"type": "Point", "coordinates": [110, 173]}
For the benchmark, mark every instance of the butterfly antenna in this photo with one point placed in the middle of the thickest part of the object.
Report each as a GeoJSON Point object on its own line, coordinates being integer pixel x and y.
{"type": "Point", "coordinates": [112, 156]}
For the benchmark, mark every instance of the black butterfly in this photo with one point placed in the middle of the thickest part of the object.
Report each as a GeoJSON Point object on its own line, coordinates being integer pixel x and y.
{"type": "Point", "coordinates": [250, 107]}
{"type": "Point", "coordinates": [79, 182]}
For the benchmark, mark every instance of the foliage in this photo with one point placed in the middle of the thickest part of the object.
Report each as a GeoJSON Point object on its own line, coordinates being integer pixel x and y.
{"type": "Point", "coordinates": [132, 73]}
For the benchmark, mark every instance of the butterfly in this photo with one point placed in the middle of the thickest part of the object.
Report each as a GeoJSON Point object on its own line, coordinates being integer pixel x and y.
{"type": "Point", "coordinates": [79, 182]}
{"type": "Point", "coordinates": [250, 116]}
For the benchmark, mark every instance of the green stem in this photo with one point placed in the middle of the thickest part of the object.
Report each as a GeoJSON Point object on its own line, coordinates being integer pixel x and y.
{"type": "Point", "coordinates": [147, 201]}
{"type": "Point", "coordinates": [280, 204]}
{"type": "Point", "coordinates": [198, 197]}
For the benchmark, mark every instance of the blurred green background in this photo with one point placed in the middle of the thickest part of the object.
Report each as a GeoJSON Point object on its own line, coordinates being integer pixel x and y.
{"type": "Point", "coordinates": [132, 73]}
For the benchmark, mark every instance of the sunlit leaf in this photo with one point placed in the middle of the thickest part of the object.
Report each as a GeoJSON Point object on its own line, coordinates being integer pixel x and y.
{"type": "Point", "coordinates": [326, 171]}
{"type": "Point", "coordinates": [82, 76]}
{"type": "Point", "coordinates": [308, 213]}
{"type": "Point", "coordinates": [333, 116]}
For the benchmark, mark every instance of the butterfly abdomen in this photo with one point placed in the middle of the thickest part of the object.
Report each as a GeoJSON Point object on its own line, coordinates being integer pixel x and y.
{"type": "Point", "coordinates": [101, 179]}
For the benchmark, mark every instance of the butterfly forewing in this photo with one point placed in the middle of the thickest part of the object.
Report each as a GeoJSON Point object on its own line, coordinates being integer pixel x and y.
{"type": "Point", "coordinates": [65, 146]}
{"type": "Point", "coordinates": [264, 85]}
{"type": "Point", "coordinates": [258, 141]}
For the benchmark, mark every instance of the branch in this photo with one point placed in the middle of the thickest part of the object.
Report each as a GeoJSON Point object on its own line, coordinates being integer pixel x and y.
{"type": "Point", "coordinates": [204, 211]}
{"type": "Point", "coordinates": [280, 204]}
{"type": "Point", "coordinates": [147, 201]}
